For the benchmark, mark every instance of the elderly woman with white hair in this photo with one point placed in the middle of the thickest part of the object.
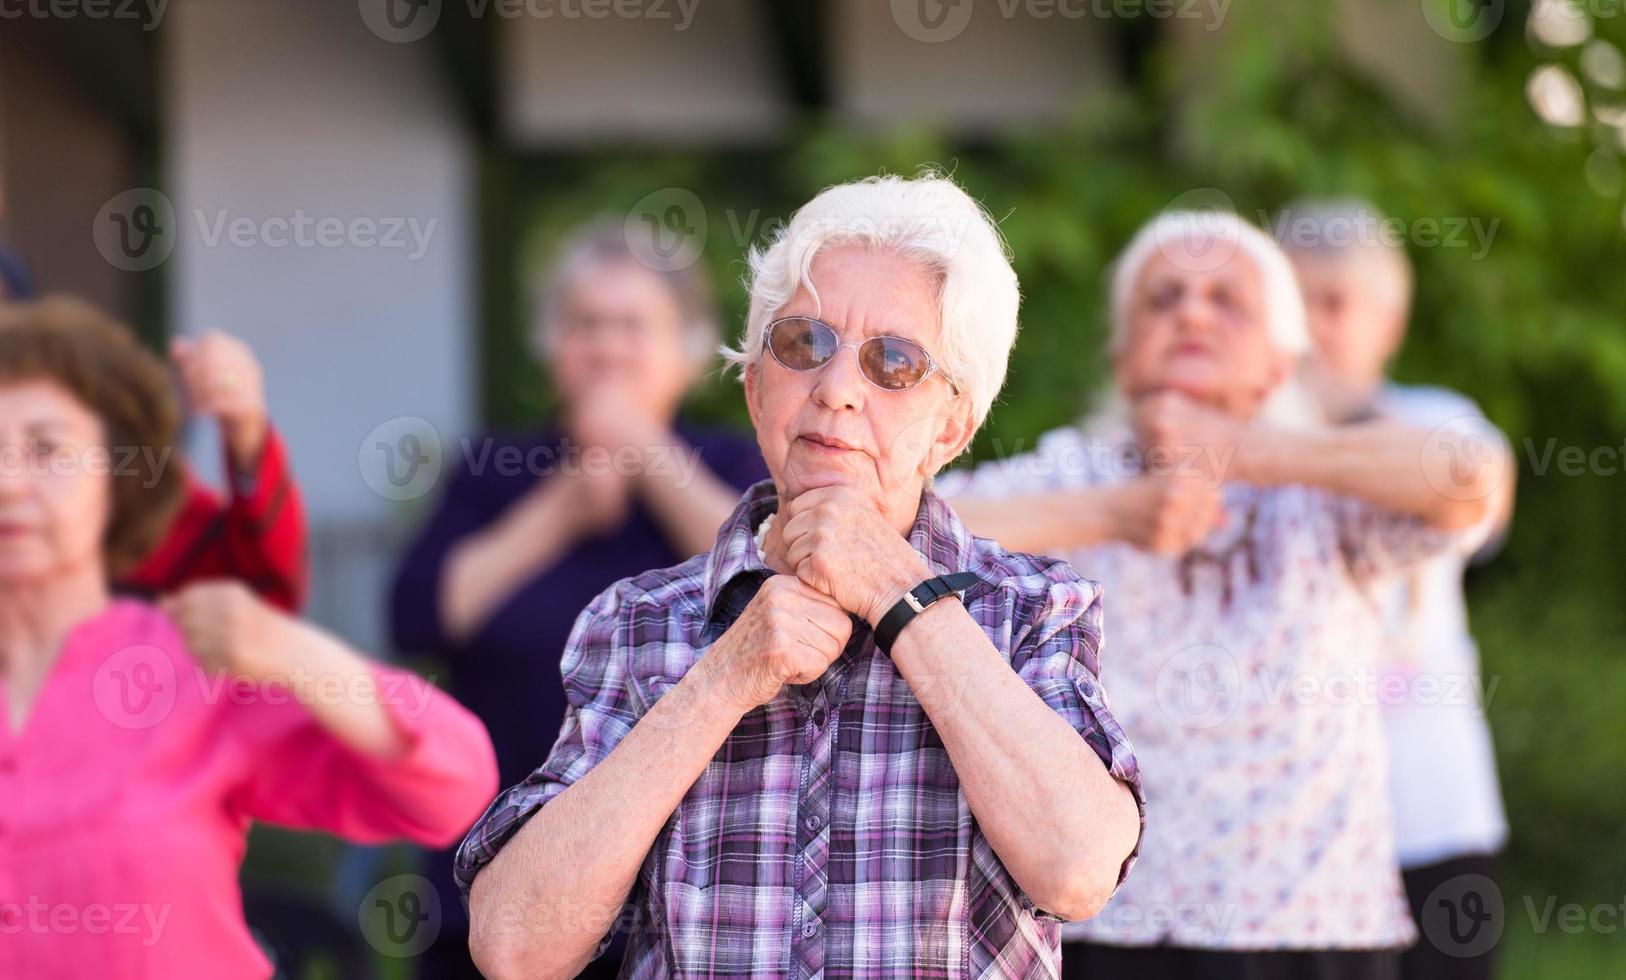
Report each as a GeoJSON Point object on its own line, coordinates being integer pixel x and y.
{"type": "Point", "coordinates": [1239, 540]}
{"type": "Point", "coordinates": [851, 739]}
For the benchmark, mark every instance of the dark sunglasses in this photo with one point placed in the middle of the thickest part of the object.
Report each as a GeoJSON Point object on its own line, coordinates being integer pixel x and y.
{"type": "Point", "coordinates": [801, 343]}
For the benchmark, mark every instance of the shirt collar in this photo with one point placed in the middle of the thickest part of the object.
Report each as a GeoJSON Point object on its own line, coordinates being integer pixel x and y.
{"type": "Point", "coordinates": [937, 534]}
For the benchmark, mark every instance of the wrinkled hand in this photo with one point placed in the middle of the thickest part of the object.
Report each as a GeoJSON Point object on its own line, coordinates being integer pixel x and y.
{"type": "Point", "coordinates": [1166, 514]}
{"type": "Point", "coordinates": [229, 628]}
{"type": "Point", "coordinates": [839, 544]}
{"type": "Point", "coordinates": [788, 634]}
{"type": "Point", "coordinates": [223, 380]}
{"type": "Point", "coordinates": [1194, 436]}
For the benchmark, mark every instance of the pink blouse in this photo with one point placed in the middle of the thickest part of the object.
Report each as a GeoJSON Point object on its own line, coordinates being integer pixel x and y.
{"type": "Point", "coordinates": [126, 799]}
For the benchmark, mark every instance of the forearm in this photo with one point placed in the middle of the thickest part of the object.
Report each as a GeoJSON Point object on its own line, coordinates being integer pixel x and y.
{"type": "Point", "coordinates": [688, 500]}
{"type": "Point", "coordinates": [482, 571]}
{"type": "Point", "coordinates": [340, 689]}
{"type": "Point", "coordinates": [1057, 818]}
{"type": "Point", "coordinates": [1048, 522]}
{"type": "Point", "coordinates": [540, 908]}
{"type": "Point", "coordinates": [1386, 463]}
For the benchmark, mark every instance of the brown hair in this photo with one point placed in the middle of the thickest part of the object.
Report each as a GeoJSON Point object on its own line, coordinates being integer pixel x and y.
{"type": "Point", "coordinates": [102, 364]}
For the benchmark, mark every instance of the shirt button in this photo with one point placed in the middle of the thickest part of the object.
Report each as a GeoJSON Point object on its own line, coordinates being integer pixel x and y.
{"type": "Point", "coordinates": [813, 823]}
{"type": "Point", "coordinates": [810, 930]}
{"type": "Point", "coordinates": [818, 717]}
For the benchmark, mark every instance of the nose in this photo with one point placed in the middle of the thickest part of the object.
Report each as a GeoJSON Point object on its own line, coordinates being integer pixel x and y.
{"type": "Point", "coordinates": [840, 384]}
{"type": "Point", "coordinates": [1194, 314]}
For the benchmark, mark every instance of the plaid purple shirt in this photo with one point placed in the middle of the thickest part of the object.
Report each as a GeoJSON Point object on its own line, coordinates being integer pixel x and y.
{"type": "Point", "coordinates": [829, 837]}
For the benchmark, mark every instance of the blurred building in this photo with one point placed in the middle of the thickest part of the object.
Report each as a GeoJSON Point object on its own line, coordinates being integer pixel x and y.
{"type": "Point", "coordinates": [258, 118]}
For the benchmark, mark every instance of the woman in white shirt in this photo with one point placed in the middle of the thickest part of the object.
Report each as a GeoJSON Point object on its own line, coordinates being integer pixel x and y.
{"type": "Point", "coordinates": [1448, 818]}
{"type": "Point", "coordinates": [1240, 547]}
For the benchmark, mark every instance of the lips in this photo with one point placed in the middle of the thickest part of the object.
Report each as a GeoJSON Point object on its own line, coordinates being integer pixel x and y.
{"type": "Point", "coordinates": [828, 442]}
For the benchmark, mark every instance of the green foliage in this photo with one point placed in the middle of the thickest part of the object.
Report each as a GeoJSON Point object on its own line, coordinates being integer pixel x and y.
{"type": "Point", "coordinates": [1531, 328]}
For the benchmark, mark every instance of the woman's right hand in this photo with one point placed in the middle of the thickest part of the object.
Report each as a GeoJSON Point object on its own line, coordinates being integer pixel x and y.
{"type": "Point", "coordinates": [1165, 514]}
{"type": "Point", "coordinates": [790, 633]}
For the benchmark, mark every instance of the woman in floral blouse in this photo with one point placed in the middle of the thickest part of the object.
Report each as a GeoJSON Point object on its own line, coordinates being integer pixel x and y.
{"type": "Point", "coordinates": [1241, 542]}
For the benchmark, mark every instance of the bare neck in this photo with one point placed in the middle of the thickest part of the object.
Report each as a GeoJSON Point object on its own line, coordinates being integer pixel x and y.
{"type": "Point", "coordinates": [36, 616]}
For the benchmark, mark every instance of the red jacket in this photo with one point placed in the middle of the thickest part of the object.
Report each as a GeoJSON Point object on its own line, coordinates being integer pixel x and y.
{"type": "Point", "coordinates": [257, 537]}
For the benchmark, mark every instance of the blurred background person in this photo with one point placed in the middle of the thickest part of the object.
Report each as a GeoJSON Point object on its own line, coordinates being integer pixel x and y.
{"type": "Point", "coordinates": [615, 485]}
{"type": "Point", "coordinates": [140, 743]}
{"type": "Point", "coordinates": [1235, 540]}
{"type": "Point", "coordinates": [256, 535]}
{"type": "Point", "coordinates": [1449, 821]}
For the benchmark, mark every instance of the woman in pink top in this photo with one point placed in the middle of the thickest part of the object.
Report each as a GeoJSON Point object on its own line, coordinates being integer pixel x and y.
{"type": "Point", "coordinates": [137, 743]}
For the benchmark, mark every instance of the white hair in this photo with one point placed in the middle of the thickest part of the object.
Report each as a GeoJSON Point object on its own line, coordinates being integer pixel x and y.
{"type": "Point", "coordinates": [1355, 235]}
{"type": "Point", "coordinates": [929, 220]}
{"type": "Point", "coordinates": [1290, 405]}
{"type": "Point", "coordinates": [1213, 237]}
{"type": "Point", "coordinates": [590, 248]}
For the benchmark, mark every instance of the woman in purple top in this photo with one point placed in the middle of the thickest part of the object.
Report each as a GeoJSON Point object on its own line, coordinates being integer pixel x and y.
{"type": "Point", "coordinates": [532, 527]}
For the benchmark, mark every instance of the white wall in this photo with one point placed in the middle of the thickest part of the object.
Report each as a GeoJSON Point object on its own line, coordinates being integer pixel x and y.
{"type": "Point", "coordinates": [277, 108]}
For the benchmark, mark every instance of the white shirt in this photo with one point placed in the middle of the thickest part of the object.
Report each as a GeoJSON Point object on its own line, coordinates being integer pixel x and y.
{"type": "Point", "coordinates": [1442, 769]}
{"type": "Point", "coordinates": [1247, 677]}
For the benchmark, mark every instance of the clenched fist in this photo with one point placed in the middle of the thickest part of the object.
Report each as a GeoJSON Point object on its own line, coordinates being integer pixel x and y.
{"type": "Point", "coordinates": [223, 379]}
{"type": "Point", "coordinates": [1166, 514]}
{"type": "Point", "coordinates": [227, 627]}
{"type": "Point", "coordinates": [789, 634]}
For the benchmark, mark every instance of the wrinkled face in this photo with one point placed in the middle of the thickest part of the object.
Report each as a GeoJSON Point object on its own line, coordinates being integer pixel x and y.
{"type": "Point", "coordinates": [1198, 327]}
{"type": "Point", "coordinates": [621, 326]}
{"type": "Point", "coordinates": [1354, 327]}
{"type": "Point", "coordinates": [55, 483]}
{"type": "Point", "coordinates": [830, 426]}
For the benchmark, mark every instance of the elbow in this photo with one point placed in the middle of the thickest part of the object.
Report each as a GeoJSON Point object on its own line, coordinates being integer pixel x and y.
{"type": "Point", "coordinates": [1079, 891]}
{"type": "Point", "coordinates": [503, 953]}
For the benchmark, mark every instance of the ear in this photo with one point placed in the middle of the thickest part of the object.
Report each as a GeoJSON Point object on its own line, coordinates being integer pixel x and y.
{"type": "Point", "coordinates": [953, 436]}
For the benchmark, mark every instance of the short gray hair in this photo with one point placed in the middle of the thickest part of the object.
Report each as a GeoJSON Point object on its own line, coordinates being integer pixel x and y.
{"type": "Point", "coordinates": [605, 242]}
{"type": "Point", "coordinates": [1350, 232]}
{"type": "Point", "coordinates": [1284, 304]}
{"type": "Point", "coordinates": [928, 219]}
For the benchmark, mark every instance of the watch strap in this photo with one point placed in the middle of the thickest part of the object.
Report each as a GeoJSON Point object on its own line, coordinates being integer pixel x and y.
{"type": "Point", "coordinates": [915, 601]}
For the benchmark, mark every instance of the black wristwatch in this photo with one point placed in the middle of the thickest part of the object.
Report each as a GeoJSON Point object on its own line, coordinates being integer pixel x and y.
{"type": "Point", "coordinates": [915, 601]}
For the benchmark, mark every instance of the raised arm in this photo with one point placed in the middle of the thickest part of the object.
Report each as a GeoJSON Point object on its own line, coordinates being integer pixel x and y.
{"type": "Point", "coordinates": [1165, 514]}
{"type": "Point", "coordinates": [688, 500]}
{"type": "Point", "coordinates": [1447, 476]}
{"type": "Point", "coordinates": [546, 891]}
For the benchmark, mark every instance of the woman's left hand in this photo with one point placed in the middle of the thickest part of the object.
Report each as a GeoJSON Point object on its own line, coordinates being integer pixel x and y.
{"type": "Point", "coordinates": [227, 627]}
{"type": "Point", "coordinates": [839, 543]}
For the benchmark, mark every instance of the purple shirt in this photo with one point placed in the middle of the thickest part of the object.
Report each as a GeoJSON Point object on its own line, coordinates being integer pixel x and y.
{"type": "Point", "coordinates": [830, 835]}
